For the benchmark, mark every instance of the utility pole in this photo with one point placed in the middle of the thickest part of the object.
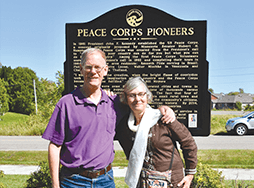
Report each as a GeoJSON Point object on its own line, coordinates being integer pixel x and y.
{"type": "Point", "coordinates": [35, 97]}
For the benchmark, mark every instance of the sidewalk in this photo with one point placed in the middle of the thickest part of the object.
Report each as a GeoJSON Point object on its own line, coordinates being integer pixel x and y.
{"type": "Point", "coordinates": [229, 174]}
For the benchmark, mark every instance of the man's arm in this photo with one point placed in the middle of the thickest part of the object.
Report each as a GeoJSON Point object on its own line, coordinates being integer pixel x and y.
{"type": "Point", "coordinates": [168, 114]}
{"type": "Point", "coordinates": [54, 163]}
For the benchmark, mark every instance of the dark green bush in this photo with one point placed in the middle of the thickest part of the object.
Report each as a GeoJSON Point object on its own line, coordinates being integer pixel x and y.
{"type": "Point", "coordinates": [40, 178]}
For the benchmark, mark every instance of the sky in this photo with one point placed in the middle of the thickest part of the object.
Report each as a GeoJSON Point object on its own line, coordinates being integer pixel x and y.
{"type": "Point", "coordinates": [32, 34]}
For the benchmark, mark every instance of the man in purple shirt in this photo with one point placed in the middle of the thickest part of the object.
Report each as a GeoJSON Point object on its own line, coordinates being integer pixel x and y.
{"type": "Point", "coordinates": [82, 128]}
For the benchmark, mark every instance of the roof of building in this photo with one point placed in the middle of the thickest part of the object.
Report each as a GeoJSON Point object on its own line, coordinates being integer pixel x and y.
{"type": "Point", "coordinates": [244, 98]}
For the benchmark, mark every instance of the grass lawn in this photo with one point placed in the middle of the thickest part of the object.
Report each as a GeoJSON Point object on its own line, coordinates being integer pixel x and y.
{"type": "Point", "coordinates": [214, 158]}
{"type": "Point", "coordinates": [23, 157]}
{"type": "Point", "coordinates": [227, 158]}
{"type": "Point", "coordinates": [13, 124]}
{"type": "Point", "coordinates": [11, 117]}
{"type": "Point", "coordinates": [18, 124]}
{"type": "Point", "coordinates": [14, 181]}
{"type": "Point", "coordinates": [218, 123]}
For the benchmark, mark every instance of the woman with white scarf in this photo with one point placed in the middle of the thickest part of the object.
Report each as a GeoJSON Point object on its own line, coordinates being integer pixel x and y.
{"type": "Point", "coordinates": [150, 144]}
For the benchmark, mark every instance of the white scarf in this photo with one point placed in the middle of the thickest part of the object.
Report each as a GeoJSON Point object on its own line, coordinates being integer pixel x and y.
{"type": "Point", "coordinates": [137, 154]}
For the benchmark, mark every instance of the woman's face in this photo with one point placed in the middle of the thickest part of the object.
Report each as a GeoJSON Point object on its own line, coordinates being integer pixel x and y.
{"type": "Point", "coordinates": [137, 99]}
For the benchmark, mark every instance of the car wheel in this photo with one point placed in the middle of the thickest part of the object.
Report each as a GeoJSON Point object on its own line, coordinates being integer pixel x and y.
{"type": "Point", "coordinates": [241, 129]}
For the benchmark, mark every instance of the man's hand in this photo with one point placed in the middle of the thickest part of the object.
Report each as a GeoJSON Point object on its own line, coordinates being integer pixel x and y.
{"type": "Point", "coordinates": [168, 114]}
{"type": "Point", "coordinates": [186, 181]}
{"type": "Point", "coordinates": [109, 93]}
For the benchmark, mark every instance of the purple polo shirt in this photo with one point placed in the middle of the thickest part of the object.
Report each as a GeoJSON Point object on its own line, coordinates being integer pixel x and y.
{"type": "Point", "coordinates": [85, 131]}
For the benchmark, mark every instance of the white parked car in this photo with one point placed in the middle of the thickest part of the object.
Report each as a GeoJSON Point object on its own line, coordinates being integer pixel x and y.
{"type": "Point", "coordinates": [241, 125]}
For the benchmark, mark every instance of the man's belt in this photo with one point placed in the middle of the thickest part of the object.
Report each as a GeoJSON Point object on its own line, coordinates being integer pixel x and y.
{"type": "Point", "coordinates": [90, 173]}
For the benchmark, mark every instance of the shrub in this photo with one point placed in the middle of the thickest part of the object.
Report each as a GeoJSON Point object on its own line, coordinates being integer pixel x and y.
{"type": "Point", "coordinates": [249, 108]}
{"type": "Point", "coordinates": [238, 105]}
{"type": "Point", "coordinates": [40, 178]}
{"type": "Point", "coordinates": [1, 176]}
{"type": "Point", "coordinates": [207, 177]}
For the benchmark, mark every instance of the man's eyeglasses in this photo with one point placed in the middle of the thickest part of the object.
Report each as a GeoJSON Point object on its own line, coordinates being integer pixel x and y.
{"type": "Point", "coordinates": [98, 69]}
{"type": "Point", "coordinates": [133, 95]}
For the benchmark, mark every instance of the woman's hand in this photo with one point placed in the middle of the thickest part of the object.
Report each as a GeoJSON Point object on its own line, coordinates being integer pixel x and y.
{"type": "Point", "coordinates": [186, 181]}
{"type": "Point", "coordinates": [168, 114]}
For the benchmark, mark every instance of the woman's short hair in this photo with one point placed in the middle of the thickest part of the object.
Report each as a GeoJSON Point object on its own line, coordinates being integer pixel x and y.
{"type": "Point", "coordinates": [133, 83]}
{"type": "Point", "coordinates": [89, 51]}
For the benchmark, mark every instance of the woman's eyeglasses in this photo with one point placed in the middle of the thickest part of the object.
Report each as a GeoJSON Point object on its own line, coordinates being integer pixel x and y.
{"type": "Point", "coordinates": [133, 95]}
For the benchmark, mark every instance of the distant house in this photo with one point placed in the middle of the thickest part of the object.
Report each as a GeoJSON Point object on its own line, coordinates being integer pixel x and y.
{"type": "Point", "coordinates": [222, 101]}
{"type": "Point", "coordinates": [214, 98]}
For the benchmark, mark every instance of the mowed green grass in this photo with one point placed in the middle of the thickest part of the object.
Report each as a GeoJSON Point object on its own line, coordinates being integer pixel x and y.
{"type": "Point", "coordinates": [13, 124]}
{"type": "Point", "coordinates": [18, 124]}
{"type": "Point", "coordinates": [214, 158]}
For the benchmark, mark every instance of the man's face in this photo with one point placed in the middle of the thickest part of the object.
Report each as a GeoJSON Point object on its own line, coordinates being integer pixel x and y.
{"type": "Point", "coordinates": [94, 70]}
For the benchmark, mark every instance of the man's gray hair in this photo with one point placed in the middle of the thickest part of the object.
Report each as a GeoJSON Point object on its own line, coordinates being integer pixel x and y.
{"type": "Point", "coordinates": [133, 83]}
{"type": "Point", "coordinates": [90, 51]}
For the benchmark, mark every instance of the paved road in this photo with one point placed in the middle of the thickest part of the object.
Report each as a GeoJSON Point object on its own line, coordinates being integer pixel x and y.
{"type": "Point", "coordinates": [240, 113]}
{"type": "Point", "coordinates": [24, 143]}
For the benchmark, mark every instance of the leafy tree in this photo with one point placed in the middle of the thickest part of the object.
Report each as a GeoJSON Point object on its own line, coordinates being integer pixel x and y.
{"type": "Point", "coordinates": [211, 90]}
{"type": "Point", "coordinates": [23, 97]}
{"type": "Point", "coordinates": [20, 90]}
{"type": "Point", "coordinates": [4, 97]}
{"type": "Point", "coordinates": [241, 90]}
{"type": "Point", "coordinates": [7, 74]}
{"type": "Point", "coordinates": [233, 93]}
{"type": "Point", "coordinates": [49, 94]}
{"type": "Point", "coordinates": [60, 82]}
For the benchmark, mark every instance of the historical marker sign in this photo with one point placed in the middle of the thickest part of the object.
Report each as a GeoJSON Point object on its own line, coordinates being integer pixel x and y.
{"type": "Point", "coordinates": [169, 53]}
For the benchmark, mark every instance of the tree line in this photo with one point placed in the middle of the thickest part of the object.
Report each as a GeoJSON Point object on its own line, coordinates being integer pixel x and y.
{"type": "Point", "coordinates": [17, 90]}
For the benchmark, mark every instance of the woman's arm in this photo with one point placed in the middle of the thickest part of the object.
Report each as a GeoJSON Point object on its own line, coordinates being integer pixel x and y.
{"type": "Point", "coordinates": [188, 145]}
